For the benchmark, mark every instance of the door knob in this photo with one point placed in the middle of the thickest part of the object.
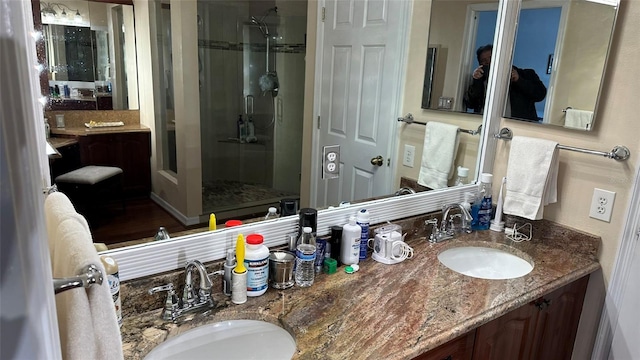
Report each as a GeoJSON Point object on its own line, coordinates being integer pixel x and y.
{"type": "Point", "coordinates": [377, 161]}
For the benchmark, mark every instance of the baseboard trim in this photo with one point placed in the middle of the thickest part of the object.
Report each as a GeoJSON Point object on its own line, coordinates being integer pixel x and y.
{"type": "Point", "coordinates": [186, 221]}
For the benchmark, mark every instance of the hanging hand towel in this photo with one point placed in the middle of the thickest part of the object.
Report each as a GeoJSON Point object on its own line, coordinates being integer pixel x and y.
{"type": "Point", "coordinates": [578, 119]}
{"type": "Point", "coordinates": [86, 317]}
{"type": "Point", "coordinates": [532, 175]}
{"type": "Point", "coordinates": [438, 154]}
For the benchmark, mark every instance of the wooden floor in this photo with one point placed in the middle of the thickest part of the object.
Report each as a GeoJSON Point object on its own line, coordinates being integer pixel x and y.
{"type": "Point", "coordinates": [141, 218]}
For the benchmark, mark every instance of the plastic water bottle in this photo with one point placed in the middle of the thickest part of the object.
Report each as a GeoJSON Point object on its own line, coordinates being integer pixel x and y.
{"type": "Point", "coordinates": [272, 214]}
{"type": "Point", "coordinates": [463, 176]}
{"type": "Point", "coordinates": [305, 258]}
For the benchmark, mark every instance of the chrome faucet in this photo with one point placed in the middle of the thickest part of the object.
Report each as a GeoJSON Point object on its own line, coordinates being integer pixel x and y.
{"type": "Point", "coordinates": [447, 228]}
{"type": "Point", "coordinates": [174, 307]}
{"type": "Point", "coordinates": [404, 191]}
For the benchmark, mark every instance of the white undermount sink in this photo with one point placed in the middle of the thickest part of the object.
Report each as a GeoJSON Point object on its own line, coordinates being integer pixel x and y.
{"type": "Point", "coordinates": [485, 263]}
{"type": "Point", "coordinates": [234, 339]}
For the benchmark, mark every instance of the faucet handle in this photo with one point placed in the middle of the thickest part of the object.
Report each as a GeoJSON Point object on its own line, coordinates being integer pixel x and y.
{"type": "Point", "coordinates": [434, 229]}
{"type": "Point", "coordinates": [171, 304]}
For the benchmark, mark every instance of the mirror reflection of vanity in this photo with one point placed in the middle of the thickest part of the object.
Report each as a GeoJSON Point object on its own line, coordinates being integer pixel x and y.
{"type": "Point", "coordinates": [89, 50]}
{"type": "Point", "coordinates": [385, 209]}
{"type": "Point", "coordinates": [556, 39]}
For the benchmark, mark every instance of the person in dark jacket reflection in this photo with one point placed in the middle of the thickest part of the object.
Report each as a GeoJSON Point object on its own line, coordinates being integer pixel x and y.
{"type": "Point", "coordinates": [524, 91]}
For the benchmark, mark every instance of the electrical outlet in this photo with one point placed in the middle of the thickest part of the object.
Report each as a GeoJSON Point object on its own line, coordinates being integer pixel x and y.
{"type": "Point", "coordinates": [408, 156]}
{"type": "Point", "coordinates": [330, 161]}
{"type": "Point", "coordinates": [602, 204]}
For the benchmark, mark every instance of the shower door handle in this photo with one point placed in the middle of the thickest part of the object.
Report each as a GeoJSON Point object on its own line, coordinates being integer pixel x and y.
{"type": "Point", "coordinates": [377, 161]}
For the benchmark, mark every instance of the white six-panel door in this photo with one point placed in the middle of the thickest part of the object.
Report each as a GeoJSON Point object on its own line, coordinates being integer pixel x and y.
{"type": "Point", "coordinates": [361, 79]}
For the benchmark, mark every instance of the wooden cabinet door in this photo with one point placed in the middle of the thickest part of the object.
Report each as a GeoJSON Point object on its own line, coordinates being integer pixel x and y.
{"type": "Point", "coordinates": [129, 151]}
{"type": "Point", "coordinates": [96, 150]}
{"type": "Point", "coordinates": [460, 348]}
{"type": "Point", "coordinates": [558, 318]}
{"type": "Point", "coordinates": [507, 337]}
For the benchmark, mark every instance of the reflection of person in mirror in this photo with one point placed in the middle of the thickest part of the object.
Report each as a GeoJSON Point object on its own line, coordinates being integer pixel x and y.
{"type": "Point", "coordinates": [525, 90]}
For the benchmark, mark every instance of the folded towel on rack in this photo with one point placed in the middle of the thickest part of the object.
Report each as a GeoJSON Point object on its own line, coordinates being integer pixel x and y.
{"type": "Point", "coordinates": [578, 119]}
{"type": "Point", "coordinates": [532, 174]}
{"type": "Point", "coordinates": [438, 154]}
{"type": "Point", "coordinates": [86, 317]}
{"type": "Point", "coordinates": [58, 207]}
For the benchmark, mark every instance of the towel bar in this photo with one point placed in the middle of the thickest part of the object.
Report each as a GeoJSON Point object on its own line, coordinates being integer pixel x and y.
{"type": "Point", "coordinates": [619, 152]}
{"type": "Point", "coordinates": [409, 120]}
{"type": "Point", "coordinates": [565, 109]}
{"type": "Point", "coordinates": [91, 275]}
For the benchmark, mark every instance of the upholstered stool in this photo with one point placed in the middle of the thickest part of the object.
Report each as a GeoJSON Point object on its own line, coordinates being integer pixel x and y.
{"type": "Point", "coordinates": [85, 186]}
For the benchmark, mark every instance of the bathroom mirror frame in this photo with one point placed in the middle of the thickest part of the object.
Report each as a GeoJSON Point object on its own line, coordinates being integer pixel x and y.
{"type": "Point", "coordinates": [128, 82]}
{"type": "Point", "coordinates": [153, 258]}
{"type": "Point", "coordinates": [468, 57]}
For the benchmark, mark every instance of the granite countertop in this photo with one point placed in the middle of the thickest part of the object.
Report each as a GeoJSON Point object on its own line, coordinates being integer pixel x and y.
{"type": "Point", "coordinates": [386, 311]}
{"type": "Point", "coordinates": [83, 130]}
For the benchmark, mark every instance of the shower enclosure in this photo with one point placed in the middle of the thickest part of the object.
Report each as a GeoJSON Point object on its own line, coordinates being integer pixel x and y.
{"type": "Point", "coordinates": [251, 81]}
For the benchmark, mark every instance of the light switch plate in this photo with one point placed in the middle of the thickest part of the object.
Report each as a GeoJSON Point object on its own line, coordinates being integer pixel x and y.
{"type": "Point", "coordinates": [330, 161]}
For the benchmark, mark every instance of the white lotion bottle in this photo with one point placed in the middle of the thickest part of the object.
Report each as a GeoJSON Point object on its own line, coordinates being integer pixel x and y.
{"type": "Point", "coordinates": [350, 242]}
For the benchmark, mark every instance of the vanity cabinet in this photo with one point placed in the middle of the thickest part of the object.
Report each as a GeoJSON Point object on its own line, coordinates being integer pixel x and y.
{"type": "Point", "coordinates": [130, 151]}
{"type": "Point", "coordinates": [460, 348]}
{"type": "Point", "coordinates": [542, 329]}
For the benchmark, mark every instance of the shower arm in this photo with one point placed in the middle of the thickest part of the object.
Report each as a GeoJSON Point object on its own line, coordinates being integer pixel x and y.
{"type": "Point", "coordinates": [267, 62]}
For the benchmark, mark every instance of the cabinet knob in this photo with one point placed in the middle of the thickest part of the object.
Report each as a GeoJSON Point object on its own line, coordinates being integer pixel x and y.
{"type": "Point", "coordinates": [542, 303]}
{"type": "Point", "coordinates": [448, 358]}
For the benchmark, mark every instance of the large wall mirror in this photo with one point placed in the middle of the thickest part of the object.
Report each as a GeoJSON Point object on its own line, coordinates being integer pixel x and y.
{"type": "Point", "coordinates": [143, 259]}
{"type": "Point", "coordinates": [90, 57]}
{"type": "Point", "coordinates": [558, 60]}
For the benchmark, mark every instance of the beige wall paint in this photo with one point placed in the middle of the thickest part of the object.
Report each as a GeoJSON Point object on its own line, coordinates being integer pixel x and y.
{"type": "Point", "coordinates": [616, 124]}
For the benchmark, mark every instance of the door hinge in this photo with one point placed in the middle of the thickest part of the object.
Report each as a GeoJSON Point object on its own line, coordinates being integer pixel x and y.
{"type": "Point", "coordinates": [318, 122]}
{"type": "Point", "coordinates": [324, 13]}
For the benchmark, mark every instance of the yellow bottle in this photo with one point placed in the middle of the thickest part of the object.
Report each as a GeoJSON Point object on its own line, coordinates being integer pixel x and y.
{"type": "Point", "coordinates": [212, 222]}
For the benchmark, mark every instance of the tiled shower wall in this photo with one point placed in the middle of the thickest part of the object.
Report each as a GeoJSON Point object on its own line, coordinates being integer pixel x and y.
{"type": "Point", "coordinates": [231, 60]}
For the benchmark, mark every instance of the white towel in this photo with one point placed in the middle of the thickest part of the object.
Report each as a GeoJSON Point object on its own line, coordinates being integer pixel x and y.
{"type": "Point", "coordinates": [438, 154]}
{"type": "Point", "coordinates": [86, 317]}
{"type": "Point", "coordinates": [532, 175]}
{"type": "Point", "coordinates": [578, 119]}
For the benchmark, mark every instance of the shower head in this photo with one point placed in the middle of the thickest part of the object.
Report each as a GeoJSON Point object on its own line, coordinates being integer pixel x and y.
{"type": "Point", "coordinates": [264, 29]}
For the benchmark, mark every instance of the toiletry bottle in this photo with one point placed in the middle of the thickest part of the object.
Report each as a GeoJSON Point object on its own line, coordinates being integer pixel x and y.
{"type": "Point", "coordinates": [113, 278]}
{"type": "Point", "coordinates": [305, 258]}
{"type": "Point", "coordinates": [242, 130]}
{"type": "Point", "coordinates": [271, 214]}
{"type": "Point", "coordinates": [239, 274]}
{"type": "Point", "coordinates": [463, 176]}
{"type": "Point", "coordinates": [350, 243]}
{"type": "Point", "coordinates": [362, 219]}
{"type": "Point", "coordinates": [321, 248]}
{"type": "Point", "coordinates": [251, 131]}
{"type": "Point", "coordinates": [308, 217]}
{"type": "Point", "coordinates": [484, 212]}
{"type": "Point", "coordinates": [212, 222]}
{"type": "Point", "coordinates": [229, 264]}
{"type": "Point", "coordinates": [256, 260]}
{"type": "Point", "coordinates": [336, 243]}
